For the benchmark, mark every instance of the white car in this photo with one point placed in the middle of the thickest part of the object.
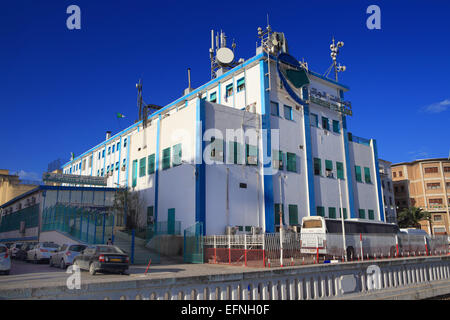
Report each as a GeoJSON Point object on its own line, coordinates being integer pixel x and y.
{"type": "Point", "coordinates": [42, 252]}
{"type": "Point", "coordinates": [65, 255]}
{"type": "Point", "coordinates": [15, 247]}
{"type": "Point", "coordinates": [5, 259]}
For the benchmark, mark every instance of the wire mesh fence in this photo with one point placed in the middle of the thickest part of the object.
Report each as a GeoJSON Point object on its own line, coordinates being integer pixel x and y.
{"type": "Point", "coordinates": [266, 250]}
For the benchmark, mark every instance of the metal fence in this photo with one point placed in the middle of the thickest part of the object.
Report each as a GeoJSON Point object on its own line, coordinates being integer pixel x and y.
{"type": "Point", "coordinates": [85, 224]}
{"type": "Point", "coordinates": [12, 221]}
{"type": "Point", "coordinates": [193, 244]}
{"type": "Point", "coordinates": [266, 250]}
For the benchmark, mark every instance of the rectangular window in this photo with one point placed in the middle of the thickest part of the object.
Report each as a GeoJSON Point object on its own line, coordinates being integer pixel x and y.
{"type": "Point", "coordinates": [336, 127]}
{"type": "Point", "coordinates": [151, 163]}
{"type": "Point", "coordinates": [166, 159]}
{"type": "Point", "coordinates": [362, 214]}
{"type": "Point", "coordinates": [134, 173]}
{"type": "Point", "coordinates": [229, 90]}
{"type": "Point", "coordinates": [433, 186]}
{"type": "Point", "coordinates": [394, 174]}
{"type": "Point", "coordinates": [358, 173]}
{"type": "Point", "coordinates": [340, 170]}
{"type": "Point", "coordinates": [142, 163]}
{"type": "Point", "coordinates": [277, 159]}
{"type": "Point", "coordinates": [118, 146]}
{"type": "Point", "coordinates": [109, 150]}
{"type": "Point", "coordinates": [321, 211]}
{"type": "Point", "coordinates": [99, 155]}
{"type": "Point", "coordinates": [251, 155]}
{"type": "Point", "coordinates": [277, 213]}
{"type": "Point", "coordinates": [213, 97]}
{"type": "Point", "coordinates": [113, 148]}
{"type": "Point", "coordinates": [371, 214]}
{"type": "Point", "coordinates": [446, 169]}
{"type": "Point", "coordinates": [431, 170]}
{"type": "Point", "coordinates": [288, 113]}
{"type": "Point", "coordinates": [435, 201]}
{"type": "Point", "coordinates": [235, 153]}
{"type": "Point", "coordinates": [274, 109]}
{"type": "Point", "coordinates": [345, 213]}
{"type": "Point", "coordinates": [83, 166]}
{"type": "Point", "coordinates": [240, 85]}
{"type": "Point", "coordinates": [293, 214]}
{"type": "Point", "coordinates": [325, 123]}
{"type": "Point", "coordinates": [107, 169]}
{"type": "Point", "coordinates": [103, 153]}
{"type": "Point", "coordinates": [329, 168]}
{"type": "Point", "coordinates": [332, 213]}
{"type": "Point", "coordinates": [102, 173]}
{"type": "Point", "coordinates": [317, 167]}
{"type": "Point", "coordinates": [314, 120]}
{"type": "Point", "coordinates": [291, 159]}
{"type": "Point", "coordinates": [117, 166]}
{"type": "Point", "coordinates": [437, 217]}
{"type": "Point", "coordinates": [177, 155]}
{"type": "Point", "coordinates": [125, 142]}
{"type": "Point", "coordinates": [216, 149]}
{"type": "Point", "coordinates": [367, 178]}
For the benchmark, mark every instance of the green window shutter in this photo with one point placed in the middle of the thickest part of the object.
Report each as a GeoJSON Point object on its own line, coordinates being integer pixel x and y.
{"type": "Point", "coordinates": [358, 173]}
{"type": "Point", "coordinates": [367, 175]}
{"type": "Point", "coordinates": [328, 165]}
{"type": "Point", "coordinates": [240, 84]}
{"type": "Point", "coordinates": [239, 153]}
{"type": "Point", "coordinates": [142, 167]}
{"type": "Point", "coordinates": [362, 214]}
{"type": "Point", "coordinates": [371, 214]}
{"type": "Point", "coordinates": [317, 167]}
{"type": "Point", "coordinates": [293, 214]}
{"type": "Point", "coordinates": [251, 155]}
{"type": "Point", "coordinates": [216, 149]}
{"type": "Point", "coordinates": [277, 162]}
{"type": "Point", "coordinates": [229, 90]}
{"type": "Point", "coordinates": [321, 211]}
{"type": "Point", "coordinates": [340, 170]}
{"type": "Point", "coordinates": [166, 159]}
{"type": "Point", "coordinates": [151, 164]}
{"type": "Point", "coordinates": [345, 213]}
{"type": "Point", "coordinates": [213, 97]}
{"type": "Point", "coordinates": [291, 159]}
{"type": "Point", "coordinates": [133, 173]}
{"type": "Point", "coordinates": [325, 123]}
{"type": "Point", "coordinates": [336, 126]}
{"type": "Point", "coordinates": [332, 212]}
{"type": "Point", "coordinates": [177, 154]}
{"type": "Point", "coordinates": [277, 213]}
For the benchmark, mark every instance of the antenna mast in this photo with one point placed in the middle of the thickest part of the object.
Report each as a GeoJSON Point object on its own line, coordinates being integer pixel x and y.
{"type": "Point", "coordinates": [334, 53]}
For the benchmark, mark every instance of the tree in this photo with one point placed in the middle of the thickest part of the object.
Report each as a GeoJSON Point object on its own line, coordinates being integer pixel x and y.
{"type": "Point", "coordinates": [127, 203]}
{"type": "Point", "coordinates": [410, 217]}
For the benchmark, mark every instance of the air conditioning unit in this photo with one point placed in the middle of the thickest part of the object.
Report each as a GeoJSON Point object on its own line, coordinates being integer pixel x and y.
{"type": "Point", "coordinates": [330, 174]}
{"type": "Point", "coordinates": [252, 160]}
{"type": "Point", "coordinates": [256, 230]}
{"type": "Point", "coordinates": [229, 230]}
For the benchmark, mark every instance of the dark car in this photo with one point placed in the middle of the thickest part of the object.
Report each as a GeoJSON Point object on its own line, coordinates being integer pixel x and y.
{"type": "Point", "coordinates": [21, 254]}
{"type": "Point", "coordinates": [101, 258]}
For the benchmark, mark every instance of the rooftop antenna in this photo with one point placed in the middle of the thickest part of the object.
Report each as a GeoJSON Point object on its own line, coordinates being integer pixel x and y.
{"type": "Point", "coordinates": [334, 47]}
{"type": "Point", "coordinates": [143, 107]}
{"type": "Point", "coordinates": [222, 58]}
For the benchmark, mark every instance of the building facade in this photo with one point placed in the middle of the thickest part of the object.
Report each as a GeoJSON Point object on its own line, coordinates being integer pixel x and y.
{"type": "Point", "coordinates": [243, 148]}
{"type": "Point", "coordinates": [424, 184]}
{"type": "Point", "coordinates": [388, 191]}
{"type": "Point", "coordinates": [11, 186]}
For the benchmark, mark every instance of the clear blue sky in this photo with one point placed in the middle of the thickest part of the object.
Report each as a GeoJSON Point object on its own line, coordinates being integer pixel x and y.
{"type": "Point", "coordinates": [60, 89]}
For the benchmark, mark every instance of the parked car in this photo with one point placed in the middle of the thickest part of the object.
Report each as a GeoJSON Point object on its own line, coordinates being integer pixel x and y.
{"type": "Point", "coordinates": [101, 258]}
{"type": "Point", "coordinates": [65, 255]}
{"type": "Point", "coordinates": [23, 251]}
{"type": "Point", "coordinates": [15, 247]}
{"type": "Point", "coordinates": [5, 259]}
{"type": "Point", "coordinates": [42, 251]}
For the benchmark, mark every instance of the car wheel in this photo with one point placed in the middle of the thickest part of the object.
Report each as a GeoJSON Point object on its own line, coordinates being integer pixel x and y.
{"type": "Point", "coordinates": [92, 270]}
{"type": "Point", "coordinates": [62, 265]}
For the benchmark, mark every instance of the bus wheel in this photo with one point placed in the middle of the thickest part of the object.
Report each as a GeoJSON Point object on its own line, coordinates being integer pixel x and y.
{"type": "Point", "coordinates": [350, 254]}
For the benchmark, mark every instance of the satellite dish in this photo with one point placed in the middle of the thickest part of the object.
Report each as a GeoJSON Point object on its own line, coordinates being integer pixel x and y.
{"type": "Point", "coordinates": [224, 55]}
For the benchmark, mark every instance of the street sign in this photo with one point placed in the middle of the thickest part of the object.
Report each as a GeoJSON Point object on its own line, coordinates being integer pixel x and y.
{"type": "Point", "coordinates": [73, 179]}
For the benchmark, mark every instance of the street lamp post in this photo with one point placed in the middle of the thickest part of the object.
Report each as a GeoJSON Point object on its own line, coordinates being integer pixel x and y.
{"type": "Point", "coordinates": [344, 244]}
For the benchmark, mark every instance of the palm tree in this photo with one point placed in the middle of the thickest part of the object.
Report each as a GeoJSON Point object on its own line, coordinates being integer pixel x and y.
{"type": "Point", "coordinates": [410, 217]}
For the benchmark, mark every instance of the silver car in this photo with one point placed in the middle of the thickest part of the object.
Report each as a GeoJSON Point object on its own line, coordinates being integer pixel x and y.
{"type": "Point", "coordinates": [42, 251]}
{"type": "Point", "coordinates": [5, 259]}
{"type": "Point", "coordinates": [65, 254]}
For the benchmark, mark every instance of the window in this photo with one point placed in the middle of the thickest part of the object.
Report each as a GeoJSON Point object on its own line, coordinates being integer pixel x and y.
{"type": "Point", "coordinates": [134, 173]}
{"type": "Point", "coordinates": [107, 169]}
{"type": "Point", "coordinates": [124, 142]}
{"type": "Point", "coordinates": [371, 214]}
{"type": "Point", "coordinates": [229, 90]}
{"type": "Point", "coordinates": [99, 155]}
{"type": "Point", "coordinates": [109, 150]}
{"type": "Point", "coordinates": [433, 186]}
{"type": "Point", "coordinates": [435, 201]}
{"type": "Point", "coordinates": [216, 149]}
{"type": "Point", "coordinates": [321, 211]}
{"type": "Point", "coordinates": [362, 214]}
{"type": "Point", "coordinates": [345, 213]}
{"type": "Point", "coordinates": [240, 85]}
{"type": "Point", "coordinates": [151, 164]}
{"type": "Point", "coordinates": [431, 170]}
{"type": "Point", "coordinates": [177, 155]}
{"type": "Point", "coordinates": [166, 159]}
{"type": "Point", "coordinates": [142, 163]}
{"type": "Point", "coordinates": [83, 166]}
{"type": "Point", "coordinates": [400, 174]}
{"type": "Point", "coordinates": [317, 167]}
{"type": "Point", "coordinates": [288, 113]}
{"type": "Point", "coordinates": [103, 153]}
{"type": "Point", "coordinates": [117, 166]}
{"type": "Point", "coordinates": [291, 162]}
{"type": "Point", "coordinates": [446, 169]}
{"type": "Point", "coordinates": [274, 109]}
{"type": "Point", "coordinates": [394, 174]}
{"type": "Point", "coordinates": [358, 173]}
{"type": "Point", "coordinates": [437, 217]}
{"type": "Point", "coordinates": [102, 173]}
{"type": "Point", "coordinates": [367, 178]}
{"type": "Point", "coordinates": [314, 120]}
{"type": "Point", "coordinates": [277, 159]}
{"type": "Point", "coordinates": [293, 214]}
{"type": "Point", "coordinates": [325, 123]}
{"type": "Point", "coordinates": [329, 168]}
{"type": "Point", "coordinates": [118, 146]}
{"type": "Point", "coordinates": [251, 153]}
{"type": "Point", "coordinates": [113, 148]}
{"type": "Point", "coordinates": [332, 213]}
{"type": "Point", "coordinates": [439, 230]}
{"type": "Point", "coordinates": [235, 153]}
{"type": "Point", "coordinates": [340, 170]}
{"type": "Point", "coordinates": [213, 97]}
{"type": "Point", "coordinates": [278, 207]}
{"type": "Point", "coordinates": [336, 127]}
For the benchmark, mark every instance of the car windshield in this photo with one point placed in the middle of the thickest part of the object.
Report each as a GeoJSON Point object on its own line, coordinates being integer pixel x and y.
{"type": "Point", "coordinates": [19, 245]}
{"type": "Point", "coordinates": [2, 249]}
{"type": "Point", "coordinates": [108, 249]}
{"type": "Point", "coordinates": [49, 245]}
{"type": "Point", "coordinates": [77, 248]}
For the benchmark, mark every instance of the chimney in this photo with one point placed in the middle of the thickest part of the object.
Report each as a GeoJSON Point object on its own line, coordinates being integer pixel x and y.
{"type": "Point", "coordinates": [188, 89]}
{"type": "Point", "coordinates": [108, 135]}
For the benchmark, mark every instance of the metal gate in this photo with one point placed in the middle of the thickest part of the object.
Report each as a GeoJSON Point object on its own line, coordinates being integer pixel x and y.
{"type": "Point", "coordinates": [193, 243]}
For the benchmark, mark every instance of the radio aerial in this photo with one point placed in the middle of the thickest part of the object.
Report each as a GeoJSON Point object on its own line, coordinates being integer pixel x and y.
{"type": "Point", "coordinates": [222, 57]}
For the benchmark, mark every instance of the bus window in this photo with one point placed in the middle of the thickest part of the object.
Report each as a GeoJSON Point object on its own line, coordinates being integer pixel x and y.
{"type": "Point", "coordinates": [312, 224]}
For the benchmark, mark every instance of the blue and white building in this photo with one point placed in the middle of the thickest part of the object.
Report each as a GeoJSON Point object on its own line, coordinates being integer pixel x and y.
{"type": "Point", "coordinates": [277, 135]}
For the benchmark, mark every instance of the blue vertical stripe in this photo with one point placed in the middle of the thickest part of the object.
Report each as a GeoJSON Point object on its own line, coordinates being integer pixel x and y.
{"type": "Point", "coordinates": [200, 179]}
{"type": "Point", "coordinates": [309, 162]}
{"type": "Point", "coordinates": [377, 173]}
{"type": "Point", "coordinates": [128, 159]}
{"type": "Point", "coordinates": [120, 163]}
{"type": "Point", "coordinates": [158, 133]}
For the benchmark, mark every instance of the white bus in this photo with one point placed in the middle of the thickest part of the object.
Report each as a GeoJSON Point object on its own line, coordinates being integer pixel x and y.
{"type": "Point", "coordinates": [323, 236]}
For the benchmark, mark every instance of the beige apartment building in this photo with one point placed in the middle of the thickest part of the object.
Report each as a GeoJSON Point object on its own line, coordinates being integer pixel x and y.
{"type": "Point", "coordinates": [425, 184]}
{"type": "Point", "coordinates": [11, 186]}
